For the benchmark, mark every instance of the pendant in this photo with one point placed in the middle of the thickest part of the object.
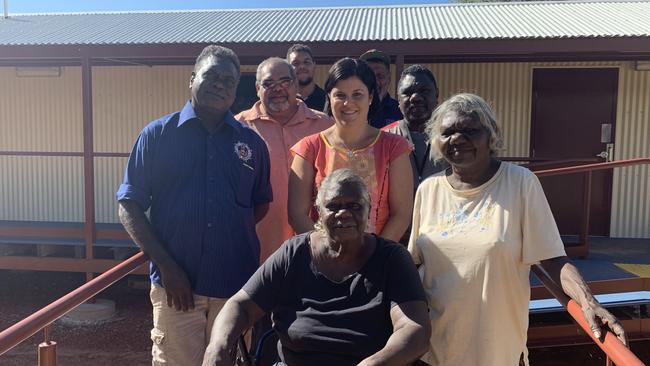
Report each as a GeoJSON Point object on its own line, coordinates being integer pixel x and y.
{"type": "Point", "coordinates": [350, 154]}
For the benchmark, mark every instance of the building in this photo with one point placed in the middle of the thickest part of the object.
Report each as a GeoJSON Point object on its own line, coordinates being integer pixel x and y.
{"type": "Point", "coordinates": [77, 88]}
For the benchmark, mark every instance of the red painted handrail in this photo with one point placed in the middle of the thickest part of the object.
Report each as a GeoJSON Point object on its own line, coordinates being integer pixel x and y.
{"type": "Point", "coordinates": [27, 327]}
{"type": "Point", "coordinates": [610, 344]}
{"type": "Point", "coordinates": [591, 167]}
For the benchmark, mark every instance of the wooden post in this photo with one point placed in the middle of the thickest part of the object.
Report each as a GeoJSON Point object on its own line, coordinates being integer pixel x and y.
{"type": "Point", "coordinates": [399, 67]}
{"type": "Point", "coordinates": [88, 158]}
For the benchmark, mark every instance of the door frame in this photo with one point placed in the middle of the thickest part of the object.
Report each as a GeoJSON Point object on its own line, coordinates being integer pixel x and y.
{"type": "Point", "coordinates": [614, 118]}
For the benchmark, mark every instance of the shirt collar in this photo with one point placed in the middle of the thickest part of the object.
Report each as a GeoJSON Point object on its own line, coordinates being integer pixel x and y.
{"type": "Point", "coordinates": [188, 114]}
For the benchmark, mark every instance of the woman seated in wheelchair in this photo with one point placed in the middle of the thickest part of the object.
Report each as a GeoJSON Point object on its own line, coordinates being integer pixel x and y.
{"type": "Point", "coordinates": [337, 295]}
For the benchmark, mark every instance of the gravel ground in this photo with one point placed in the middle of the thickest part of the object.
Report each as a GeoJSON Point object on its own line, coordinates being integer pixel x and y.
{"type": "Point", "coordinates": [124, 340]}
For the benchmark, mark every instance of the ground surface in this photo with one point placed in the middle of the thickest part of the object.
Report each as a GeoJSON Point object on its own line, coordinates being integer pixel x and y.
{"type": "Point", "coordinates": [125, 340]}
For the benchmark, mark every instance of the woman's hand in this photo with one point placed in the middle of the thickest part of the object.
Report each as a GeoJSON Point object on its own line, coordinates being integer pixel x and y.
{"type": "Point", "coordinates": [218, 354]}
{"type": "Point", "coordinates": [410, 338]}
{"type": "Point", "coordinates": [238, 314]}
{"type": "Point", "coordinates": [597, 316]}
{"type": "Point", "coordinates": [567, 275]}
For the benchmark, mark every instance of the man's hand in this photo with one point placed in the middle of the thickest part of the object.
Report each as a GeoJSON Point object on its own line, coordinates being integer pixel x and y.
{"type": "Point", "coordinates": [597, 316]}
{"type": "Point", "coordinates": [178, 288]}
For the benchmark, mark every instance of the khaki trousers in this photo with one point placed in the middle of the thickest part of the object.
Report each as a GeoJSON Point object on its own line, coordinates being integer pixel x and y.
{"type": "Point", "coordinates": [179, 338]}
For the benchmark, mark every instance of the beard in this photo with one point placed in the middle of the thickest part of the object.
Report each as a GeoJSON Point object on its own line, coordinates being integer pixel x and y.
{"type": "Point", "coordinates": [277, 107]}
{"type": "Point", "coordinates": [306, 81]}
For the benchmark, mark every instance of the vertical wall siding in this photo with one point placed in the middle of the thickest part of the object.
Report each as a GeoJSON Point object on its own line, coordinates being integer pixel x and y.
{"type": "Point", "coordinates": [109, 173]}
{"type": "Point", "coordinates": [40, 113]}
{"type": "Point", "coordinates": [126, 98]}
{"type": "Point", "coordinates": [631, 194]}
{"type": "Point", "coordinates": [506, 86]}
{"type": "Point", "coordinates": [41, 188]}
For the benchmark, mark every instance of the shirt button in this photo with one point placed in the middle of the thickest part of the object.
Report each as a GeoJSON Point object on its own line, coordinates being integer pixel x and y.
{"type": "Point", "coordinates": [209, 224]}
{"type": "Point", "coordinates": [210, 157]}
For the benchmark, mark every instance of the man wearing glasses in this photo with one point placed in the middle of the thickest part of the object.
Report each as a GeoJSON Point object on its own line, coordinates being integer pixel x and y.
{"type": "Point", "coordinates": [282, 120]}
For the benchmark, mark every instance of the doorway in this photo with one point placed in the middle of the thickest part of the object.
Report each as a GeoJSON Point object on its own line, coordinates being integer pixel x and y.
{"type": "Point", "coordinates": [573, 118]}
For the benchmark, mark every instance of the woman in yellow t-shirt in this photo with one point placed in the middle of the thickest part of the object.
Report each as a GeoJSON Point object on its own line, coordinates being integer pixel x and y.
{"type": "Point", "coordinates": [477, 228]}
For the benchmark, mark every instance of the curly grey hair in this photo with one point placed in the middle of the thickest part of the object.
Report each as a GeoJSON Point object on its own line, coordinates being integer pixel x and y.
{"type": "Point", "coordinates": [338, 178]}
{"type": "Point", "coordinates": [466, 105]}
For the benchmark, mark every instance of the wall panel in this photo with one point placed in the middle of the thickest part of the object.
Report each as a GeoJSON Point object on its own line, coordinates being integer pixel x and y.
{"type": "Point", "coordinates": [109, 173]}
{"type": "Point", "coordinates": [126, 98]}
{"type": "Point", "coordinates": [39, 188]}
{"type": "Point", "coordinates": [40, 109]}
{"type": "Point", "coordinates": [631, 195]}
{"type": "Point", "coordinates": [506, 86]}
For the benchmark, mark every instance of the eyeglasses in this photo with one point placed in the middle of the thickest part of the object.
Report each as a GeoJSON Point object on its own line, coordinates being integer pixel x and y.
{"type": "Point", "coordinates": [270, 84]}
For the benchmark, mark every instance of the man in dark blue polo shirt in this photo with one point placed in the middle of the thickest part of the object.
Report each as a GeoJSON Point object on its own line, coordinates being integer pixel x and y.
{"type": "Point", "coordinates": [205, 179]}
{"type": "Point", "coordinates": [388, 111]}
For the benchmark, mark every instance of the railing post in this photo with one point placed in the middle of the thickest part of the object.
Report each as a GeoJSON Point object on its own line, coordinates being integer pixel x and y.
{"type": "Point", "coordinates": [586, 213]}
{"type": "Point", "coordinates": [47, 350]}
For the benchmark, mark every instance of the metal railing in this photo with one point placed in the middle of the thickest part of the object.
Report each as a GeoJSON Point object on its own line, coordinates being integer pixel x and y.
{"type": "Point", "coordinates": [41, 320]}
{"type": "Point", "coordinates": [614, 349]}
{"type": "Point", "coordinates": [582, 249]}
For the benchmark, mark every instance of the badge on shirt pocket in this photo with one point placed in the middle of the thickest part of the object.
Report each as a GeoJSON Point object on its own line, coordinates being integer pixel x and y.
{"type": "Point", "coordinates": [244, 174]}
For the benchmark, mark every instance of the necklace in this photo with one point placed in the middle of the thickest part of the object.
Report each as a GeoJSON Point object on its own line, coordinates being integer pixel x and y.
{"type": "Point", "coordinates": [350, 151]}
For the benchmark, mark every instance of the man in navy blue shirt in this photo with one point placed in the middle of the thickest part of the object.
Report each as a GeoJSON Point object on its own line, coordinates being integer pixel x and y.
{"type": "Point", "coordinates": [205, 180]}
{"type": "Point", "coordinates": [388, 111]}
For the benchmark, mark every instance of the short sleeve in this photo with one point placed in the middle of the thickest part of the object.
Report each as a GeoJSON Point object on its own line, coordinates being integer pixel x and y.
{"type": "Point", "coordinates": [415, 227]}
{"type": "Point", "coordinates": [404, 282]}
{"type": "Point", "coordinates": [266, 283]}
{"type": "Point", "coordinates": [138, 173]}
{"type": "Point", "coordinates": [306, 148]}
{"type": "Point", "coordinates": [540, 235]}
{"type": "Point", "coordinates": [263, 192]}
{"type": "Point", "coordinates": [398, 146]}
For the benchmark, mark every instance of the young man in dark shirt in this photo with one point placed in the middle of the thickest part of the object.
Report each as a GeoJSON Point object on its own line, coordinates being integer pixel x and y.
{"type": "Point", "coordinates": [300, 57]}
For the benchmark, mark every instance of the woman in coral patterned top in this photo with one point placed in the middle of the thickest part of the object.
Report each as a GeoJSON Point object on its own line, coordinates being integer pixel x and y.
{"type": "Point", "coordinates": [380, 158]}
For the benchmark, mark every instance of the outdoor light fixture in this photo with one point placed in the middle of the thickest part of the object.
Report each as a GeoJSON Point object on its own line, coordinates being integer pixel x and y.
{"type": "Point", "coordinates": [38, 72]}
{"type": "Point", "coordinates": [642, 65]}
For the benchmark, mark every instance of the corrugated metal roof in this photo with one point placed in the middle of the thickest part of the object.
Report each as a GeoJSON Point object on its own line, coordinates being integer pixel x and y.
{"type": "Point", "coordinates": [414, 22]}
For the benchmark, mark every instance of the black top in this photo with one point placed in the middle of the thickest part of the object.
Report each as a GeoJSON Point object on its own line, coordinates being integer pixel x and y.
{"type": "Point", "coordinates": [316, 100]}
{"type": "Point", "coordinates": [321, 322]}
{"type": "Point", "coordinates": [387, 113]}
